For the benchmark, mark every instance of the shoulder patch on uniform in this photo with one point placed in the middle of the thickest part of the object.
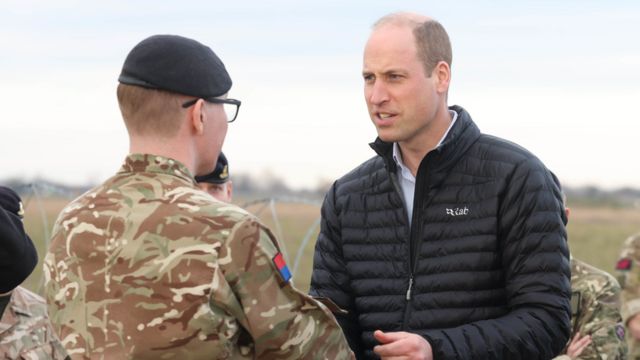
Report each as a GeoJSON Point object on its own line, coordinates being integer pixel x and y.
{"type": "Point", "coordinates": [624, 264]}
{"type": "Point", "coordinates": [282, 267]}
{"type": "Point", "coordinates": [620, 331]}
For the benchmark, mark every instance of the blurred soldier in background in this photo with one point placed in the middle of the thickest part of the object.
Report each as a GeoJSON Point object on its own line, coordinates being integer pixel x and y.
{"type": "Point", "coordinates": [217, 183]}
{"type": "Point", "coordinates": [628, 268]}
{"type": "Point", "coordinates": [148, 266]}
{"type": "Point", "coordinates": [597, 332]}
{"type": "Point", "coordinates": [25, 331]}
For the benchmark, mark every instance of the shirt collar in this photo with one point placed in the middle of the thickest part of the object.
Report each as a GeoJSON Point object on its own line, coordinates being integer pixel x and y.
{"type": "Point", "coordinates": [397, 155]}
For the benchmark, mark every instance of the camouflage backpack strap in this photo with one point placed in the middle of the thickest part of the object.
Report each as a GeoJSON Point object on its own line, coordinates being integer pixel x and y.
{"type": "Point", "coordinates": [576, 300]}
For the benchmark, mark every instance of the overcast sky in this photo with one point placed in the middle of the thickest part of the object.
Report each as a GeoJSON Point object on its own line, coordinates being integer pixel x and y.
{"type": "Point", "coordinates": [561, 78]}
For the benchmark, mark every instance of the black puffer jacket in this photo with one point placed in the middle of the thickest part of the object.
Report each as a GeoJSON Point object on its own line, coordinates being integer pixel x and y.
{"type": "Point", "coordinates": [483, 273]}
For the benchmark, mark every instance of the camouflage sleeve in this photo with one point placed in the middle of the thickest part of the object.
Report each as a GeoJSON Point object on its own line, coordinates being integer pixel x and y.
{"type": "Point", "coordinates": [283, 322]}
{"type": "Point", "coordinates": [628, 269]}
{"type": "Point", "coordinates": [601, 319]}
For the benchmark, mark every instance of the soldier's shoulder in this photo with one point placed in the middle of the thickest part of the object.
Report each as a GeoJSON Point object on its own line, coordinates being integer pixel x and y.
{"type": "Point", "coordinates": [83, 201]}
{"type": "Point", "coordinates": [583, 272]}
{"type": "Point", "coordinates": [629, 255]}
{"type": "Point", "coordinates": [210, 206]}
{"type": "Point", "coordinates": [29, 302]}
{"type": "Point", "coordinates": [632, 241]}
{"type": "Point", "coordinates": [31, 336]}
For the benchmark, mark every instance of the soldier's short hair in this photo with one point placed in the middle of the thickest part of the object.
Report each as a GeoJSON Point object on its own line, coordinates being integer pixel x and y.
{"type": "Point", "coordinates": [432, 41]}
{"type": "Point", "coordinates": [150, 111]}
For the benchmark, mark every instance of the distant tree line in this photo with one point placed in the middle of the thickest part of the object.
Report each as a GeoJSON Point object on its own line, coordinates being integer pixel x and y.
{"type": "Point", "coordinates": [269, 185]}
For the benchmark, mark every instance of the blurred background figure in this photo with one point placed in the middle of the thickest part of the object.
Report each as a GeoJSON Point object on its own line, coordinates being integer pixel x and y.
{"type": "Point", "coordinates": [628, 268]}
{"type": "Point", "coordinates": [597, 332]}
{"type": "Point", "coordinates": [217, 183]}
{"type": "Point", "coordinates": [25, 330]}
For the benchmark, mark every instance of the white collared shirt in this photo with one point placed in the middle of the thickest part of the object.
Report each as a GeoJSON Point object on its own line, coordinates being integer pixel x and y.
{"type": "Point", "coordinates": [405, 177]}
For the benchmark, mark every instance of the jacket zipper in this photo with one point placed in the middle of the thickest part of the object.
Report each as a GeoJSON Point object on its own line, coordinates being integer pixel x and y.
{"type": "Point", "coordinates": [414, 233]}
{"type": "Point", "coordinates": [394, 181]}
{"type": "Point", "coordinates": [413, 250]}
{"type": "Point", "coordinates": [408, 297]}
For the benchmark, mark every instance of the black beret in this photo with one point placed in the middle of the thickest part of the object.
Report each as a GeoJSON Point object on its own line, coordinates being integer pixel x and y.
{"type": "Point", "coordinates": [18, 256]}
{"type": "Point", "coordinates": [220, 174]}
{"type": "Point", "coordinates": [176, 64]}
{"type": "Point", "coordinates": [10, 201]}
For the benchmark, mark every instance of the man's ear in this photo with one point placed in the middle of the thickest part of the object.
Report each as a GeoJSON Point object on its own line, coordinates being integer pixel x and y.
{"type": "Point", "coordinates": [442, 74]}
{"type": "Point", "coordinates": [197, 117]}
{"type": "Point", "coordinates": [230, 189]}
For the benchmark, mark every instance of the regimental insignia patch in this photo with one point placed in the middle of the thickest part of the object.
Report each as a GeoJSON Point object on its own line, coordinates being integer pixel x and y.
{"type": "Point", "coordinates": [620, 331]}
{"type": "Point", "coordinates": [225, 172]}
{"type": "Point", "coordinates": [282, 267]}
{"type": "Point", "coordinates": [624, 264]}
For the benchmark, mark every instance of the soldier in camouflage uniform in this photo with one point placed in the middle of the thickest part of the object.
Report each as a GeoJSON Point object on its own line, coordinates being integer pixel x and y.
{"type": "Point", "coordinates": [25, 331]}
{"type": "Point", "coordinates": [595, 307]}
{"type": "Point", "coordinates": [628, 268]}
{"type": "Point", "coordinates": [147, 266]}
{"type": "Point", "coordinates": [596, 324]}
{"type": "Point", "coordinates": [217, 183]}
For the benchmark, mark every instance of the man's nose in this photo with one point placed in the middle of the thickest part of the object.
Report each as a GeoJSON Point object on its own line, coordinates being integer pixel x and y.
{"type": "Point", "coordinates": [378, 93]}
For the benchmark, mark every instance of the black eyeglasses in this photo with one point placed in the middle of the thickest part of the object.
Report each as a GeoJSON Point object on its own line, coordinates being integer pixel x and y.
{"type": "Point", "coordinates": [231, 106]}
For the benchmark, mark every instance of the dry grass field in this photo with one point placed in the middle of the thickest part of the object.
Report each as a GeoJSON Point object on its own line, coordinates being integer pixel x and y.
{"type": "Point", "coordinates": [595, 233]}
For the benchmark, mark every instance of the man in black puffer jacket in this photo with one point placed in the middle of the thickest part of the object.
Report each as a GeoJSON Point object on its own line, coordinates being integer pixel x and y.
{"type": "Point", "coordinates": [450, 244]}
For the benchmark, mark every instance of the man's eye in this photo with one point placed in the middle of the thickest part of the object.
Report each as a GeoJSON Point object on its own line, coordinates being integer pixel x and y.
{"type": "Point", "coordinates": [368, 78]}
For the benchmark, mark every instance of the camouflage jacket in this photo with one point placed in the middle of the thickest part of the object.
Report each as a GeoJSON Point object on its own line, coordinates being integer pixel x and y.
{"type": "Point", "coordinates": [147, 266]}
{"type": "Point", "coordinates": [25, 331]}
{"type": "Point", "coordinates": [595, 311]}
{"type": "Point", "coordinates": [628, 269]}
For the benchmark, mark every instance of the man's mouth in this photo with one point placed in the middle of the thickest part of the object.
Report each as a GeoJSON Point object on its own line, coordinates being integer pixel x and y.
{"type": "Point", "coordinates": [385, 117]}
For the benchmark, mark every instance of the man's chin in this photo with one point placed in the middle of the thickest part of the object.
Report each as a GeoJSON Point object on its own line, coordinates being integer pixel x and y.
{"type": "Point", "coordinates": [387, 137]}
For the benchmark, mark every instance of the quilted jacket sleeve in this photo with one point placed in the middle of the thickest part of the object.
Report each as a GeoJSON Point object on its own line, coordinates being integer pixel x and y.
{"type": "Point", "coordinates": [330, 278]}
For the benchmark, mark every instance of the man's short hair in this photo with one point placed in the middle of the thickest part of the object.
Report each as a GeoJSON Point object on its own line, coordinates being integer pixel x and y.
{"type": "Point", "coordinates": [432, 41]}
{"type": "Point", "coordinates": [150, 111]}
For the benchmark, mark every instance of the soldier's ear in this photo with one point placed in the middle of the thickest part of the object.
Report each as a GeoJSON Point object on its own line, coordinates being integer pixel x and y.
{"type": "Point", "coordinates": [229, 189]}
{"type": "Point", "coordinates": [197, 116]}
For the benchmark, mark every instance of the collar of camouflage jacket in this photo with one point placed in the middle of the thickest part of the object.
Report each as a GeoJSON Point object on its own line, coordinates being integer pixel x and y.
{"type": "Point", "coordinates": [156, 164]}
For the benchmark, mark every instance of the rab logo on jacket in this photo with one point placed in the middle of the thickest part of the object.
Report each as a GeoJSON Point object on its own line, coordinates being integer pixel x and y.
{"type": "Point", "coordinates": [458, 211]}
